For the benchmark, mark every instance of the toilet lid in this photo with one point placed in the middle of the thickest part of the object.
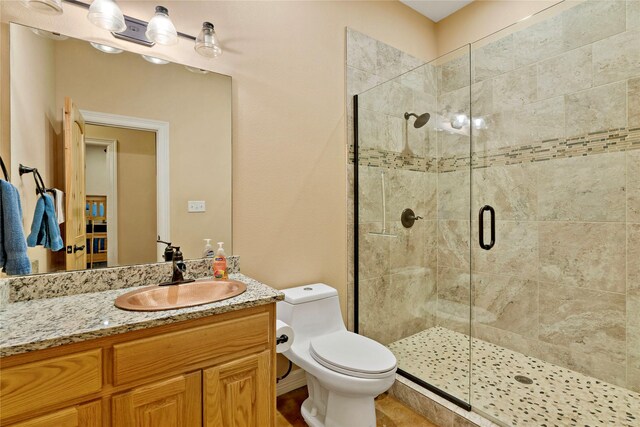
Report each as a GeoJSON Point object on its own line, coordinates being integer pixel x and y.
{"type": "Point", "coordinates": [353, 354]}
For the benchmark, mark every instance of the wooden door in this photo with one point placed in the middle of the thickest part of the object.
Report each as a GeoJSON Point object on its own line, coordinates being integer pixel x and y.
{"type": "Point", "coordinates": [87, 415]}
{"type": "Point", "coordinates": [74, 177]}
{"type": "Point", "coordinates": [176, 402]}
{"type": "Point", "coordinates": [239, 393]}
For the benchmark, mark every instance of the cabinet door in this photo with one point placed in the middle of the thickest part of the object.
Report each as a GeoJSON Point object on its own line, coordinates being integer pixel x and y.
{"type": "Point", "coordinates": [240, 393]}
{"type": "Point", "coordinates": [176, 402]}
{"type": "Point", "coordinates": [87, 415]}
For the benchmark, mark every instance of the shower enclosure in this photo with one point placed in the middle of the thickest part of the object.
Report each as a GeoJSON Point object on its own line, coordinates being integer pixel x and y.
{"type": "Point", "coordinates": [512, 287]}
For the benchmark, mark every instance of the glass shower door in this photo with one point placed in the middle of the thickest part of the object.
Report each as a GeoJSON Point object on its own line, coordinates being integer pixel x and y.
{"type": "Point", "coordinates": [412, 238]}
{"type": "Point", "coordinates": [556, 336]}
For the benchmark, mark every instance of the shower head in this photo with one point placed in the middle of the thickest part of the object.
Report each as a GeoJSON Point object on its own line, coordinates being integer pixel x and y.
{"type": "Point", "coordinates": [421, 119]}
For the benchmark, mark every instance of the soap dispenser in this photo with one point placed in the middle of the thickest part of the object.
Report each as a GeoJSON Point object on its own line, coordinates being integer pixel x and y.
{"type": "Point", "coordinates": [208, 251]}
{"type": "Point", "coordinates": [220, 264]}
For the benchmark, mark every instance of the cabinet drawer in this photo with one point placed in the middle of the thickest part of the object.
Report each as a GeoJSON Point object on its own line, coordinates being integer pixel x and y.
{"type": "Point", "coordinates": [183, 350]}
{"type": "Point", "coordinates": [32, 386]}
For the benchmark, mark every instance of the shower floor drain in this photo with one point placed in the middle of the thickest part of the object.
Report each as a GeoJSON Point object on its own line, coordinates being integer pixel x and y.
{"type": "Point", "coordinates": [522, 379]}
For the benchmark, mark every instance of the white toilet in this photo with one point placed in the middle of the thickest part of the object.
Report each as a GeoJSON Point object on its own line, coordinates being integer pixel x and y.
{"type": "Point", "coordinates": [345, 371]}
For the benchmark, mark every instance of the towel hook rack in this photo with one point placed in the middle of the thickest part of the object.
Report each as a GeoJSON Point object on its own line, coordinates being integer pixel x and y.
{"type": "Point", "coordinates": [40, 187]}
{"type": "Point", "coordinates": [4, 169]}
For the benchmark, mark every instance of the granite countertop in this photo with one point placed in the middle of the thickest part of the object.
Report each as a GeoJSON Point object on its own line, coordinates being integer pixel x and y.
{"type": "Point", "coordinates": [50, 322]}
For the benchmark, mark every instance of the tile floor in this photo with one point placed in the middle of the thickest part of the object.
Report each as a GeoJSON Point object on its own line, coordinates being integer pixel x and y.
{"type": "Point", "coordinates": [557, 397]}
{"type": "Point", "coordinates": [389, 411]}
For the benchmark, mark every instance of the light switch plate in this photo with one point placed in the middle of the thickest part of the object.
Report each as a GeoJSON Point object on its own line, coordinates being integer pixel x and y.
{"type": "Point", "coordinates": [196, 206]}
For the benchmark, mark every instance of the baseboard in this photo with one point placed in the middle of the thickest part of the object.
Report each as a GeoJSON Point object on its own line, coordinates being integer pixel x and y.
{"type": "Point", "coordinates": [294, 380]}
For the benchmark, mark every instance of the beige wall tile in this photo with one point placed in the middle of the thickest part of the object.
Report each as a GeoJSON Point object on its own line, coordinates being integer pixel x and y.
{"type": "Point", "coordinates": [452, 144]}
{"type": "Point", "coordinates": [616, 58]}
{"type": "Point", "coordinates": [633, 258]}
{"type": "Point", "coordinates": [595, 365]}
{"type": "Point", "coordinates": [453, 244]}
{"type": "Point", "coordinates": [610, 113]}
{"type": "Point", "coordinates": [492, 59]}
{"type": "Point", "coordinates": [370, 193]}
{"type": "Point", "coordinates": [633, 186]}
{"type": "Point", "coordinates": [590, 322]}
{"type": "Point", "coordinates": [511, 190]}
{"type": "Point", "coordinates": [590, 188]}
{"type": "Point", "coordinates": [413, 247]}
{"type": "Point", "coordinates": [454, 299]}
{"type": "Point", "coordinates": [454, 74]}
{"type": "Point", "coordinates": [538, 42]}
{"type": "Point", "coordinates": [515, 251]}
{"type": "Point", "coordinates": [373, 251]}
{"type": "Point", "coordinates": [515, 88]}
{"type": "Point", "coordinates": [362, 51]}
{"type": "Point", "coordinates": [454, 195]}
{"type": "Point", "coordinates": [506, 302]}
{"type": "Point", "coordinates": [482, 98]}
{"type": "Point", "coordinates": [411, 189]}
{"type": "Point", "coordinates": [498, 132]}
{"type": "Point", "coordinates": [565, 73]}
{"type": "Point", "coordinates": [538, 121]}
{"type": "Point", "coordinates": [633, 102]}
{"type": "Point", "coordinates": [633, 14]}
{"type": "Point", "coordinates": [592, 21]}
{"type": "Point", "coordinates": [585, 255]}
{"type": "Point", "coordinates": [387, 317]}
{"type": "Point", "coordinates": [389, 61]}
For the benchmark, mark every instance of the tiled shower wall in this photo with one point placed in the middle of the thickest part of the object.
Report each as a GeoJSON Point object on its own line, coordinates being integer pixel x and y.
{"type": "Point", "coordinates": [558, 156]}
{"type": "Point", "coordinates": [402, 268]}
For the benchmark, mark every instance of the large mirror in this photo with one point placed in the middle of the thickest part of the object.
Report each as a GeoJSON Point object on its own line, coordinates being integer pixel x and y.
{"type": "Point", "coordinates": [129, 150]}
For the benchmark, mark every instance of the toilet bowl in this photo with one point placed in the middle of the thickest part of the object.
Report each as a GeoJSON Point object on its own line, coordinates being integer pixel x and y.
{"type": "Point", "coordinates": [345, 371]}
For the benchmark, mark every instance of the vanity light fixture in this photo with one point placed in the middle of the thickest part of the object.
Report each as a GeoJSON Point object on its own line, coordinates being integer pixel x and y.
{"type": "Point", "coordinates": [160, 29]}
{"type": "Point", "coordinates": [107, 15]}
{"type": "Point", "coordinates": [51, 7]}
{"type": "Point", "coordinates": [207, 43]}
{"type": "Point", "coordinates": [106, 49]}
{"type": "Point", "coordinates": [155, 60]}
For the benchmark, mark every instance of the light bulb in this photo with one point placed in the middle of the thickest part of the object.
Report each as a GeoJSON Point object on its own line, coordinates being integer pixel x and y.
{"type": "Point", "coordinates": [154, 60]}
{"type": "Point", "coordinates": [107, 15]}
{"type": "Point", "coordinates": [207, 43]}
{"type": "Point", "coordinates": [196, 70]}
{"type": "Point", "coordinates": [50, 7]}
{"type": "Point", "coordinates": [106, 49]}
{"type": "Point", "coordinates": [160, 28]}
{"type": "Point", "coordinates": [49, 34]}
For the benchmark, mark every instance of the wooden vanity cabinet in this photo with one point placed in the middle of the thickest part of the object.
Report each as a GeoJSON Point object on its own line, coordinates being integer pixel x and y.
{"type": "Point", "coordinates": [213, 371]}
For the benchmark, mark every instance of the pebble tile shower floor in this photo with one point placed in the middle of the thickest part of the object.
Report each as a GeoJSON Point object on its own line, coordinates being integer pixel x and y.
{"type": "Point", "coordinates": [557, 397]}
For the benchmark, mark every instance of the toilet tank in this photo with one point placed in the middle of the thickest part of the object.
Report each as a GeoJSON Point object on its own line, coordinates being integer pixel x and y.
{"type": "Point", "coordinates": [311, 310]}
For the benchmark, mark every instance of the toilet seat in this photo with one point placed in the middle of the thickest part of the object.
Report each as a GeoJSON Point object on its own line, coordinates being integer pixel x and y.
{"type": "Point", "coordinates": [352, 354]}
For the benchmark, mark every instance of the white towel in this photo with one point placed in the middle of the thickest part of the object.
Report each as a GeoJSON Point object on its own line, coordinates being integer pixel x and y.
{"type": "Point", "coordinates": [59, 196]}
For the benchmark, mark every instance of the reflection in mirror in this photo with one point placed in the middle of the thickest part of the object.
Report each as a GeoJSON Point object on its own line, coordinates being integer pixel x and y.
{"type": "Point", "coordinates": [125, 145]}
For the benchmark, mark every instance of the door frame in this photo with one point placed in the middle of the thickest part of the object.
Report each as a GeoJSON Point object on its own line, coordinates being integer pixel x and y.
{"type": "Point", "coordinates": [161, 130]}
{"type": "Point", "coordinates": [111, 146]}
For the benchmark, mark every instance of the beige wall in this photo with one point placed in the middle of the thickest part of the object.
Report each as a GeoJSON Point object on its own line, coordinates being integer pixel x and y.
{"type": "Point", "coordinates": [289, 129]}
{"type": "Point", "coordinates": [136, 214]}
{"type": "Point", "coordinates": [482, 18]}
{"type": "Point", "coordinates": [33, 122]}
{"type": "Point", "coordinates": [96, 175]}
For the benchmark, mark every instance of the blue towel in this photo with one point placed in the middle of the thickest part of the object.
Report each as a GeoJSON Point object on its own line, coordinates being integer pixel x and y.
{"type": "Point", "coordinates": [44, 229]}
{"type": "Point", "coordinates": [13, 247]}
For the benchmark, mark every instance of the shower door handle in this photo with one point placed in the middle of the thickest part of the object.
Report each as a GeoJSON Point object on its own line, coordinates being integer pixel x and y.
{"type": "Point", "coordinates": [483, 245]}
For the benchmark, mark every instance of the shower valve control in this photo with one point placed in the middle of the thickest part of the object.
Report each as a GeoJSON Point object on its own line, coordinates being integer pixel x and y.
{"type": "Point", "coordinates": [409, 218]}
